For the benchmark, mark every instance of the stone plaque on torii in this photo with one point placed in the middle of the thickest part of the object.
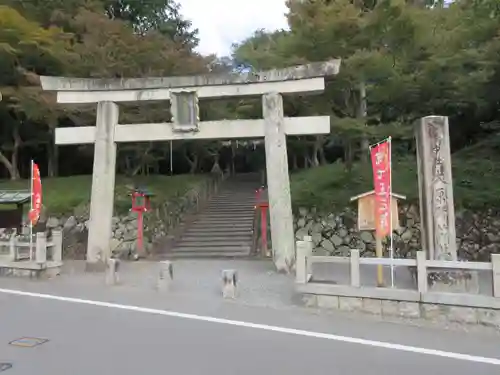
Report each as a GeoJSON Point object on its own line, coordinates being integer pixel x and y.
{"type": "Point", "coordinates": [183, 94]}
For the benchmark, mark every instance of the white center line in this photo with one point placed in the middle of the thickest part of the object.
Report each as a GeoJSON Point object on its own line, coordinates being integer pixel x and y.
{"type": "Point", "coordinates": [265, 327]}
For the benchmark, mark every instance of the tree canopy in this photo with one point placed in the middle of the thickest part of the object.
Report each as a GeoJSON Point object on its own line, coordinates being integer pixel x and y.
{"type": "Point", "coordinates": [401, 60]}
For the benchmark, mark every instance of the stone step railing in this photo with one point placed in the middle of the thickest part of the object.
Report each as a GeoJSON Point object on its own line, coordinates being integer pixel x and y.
{"type": "Point", "coordinates": [19, 252]}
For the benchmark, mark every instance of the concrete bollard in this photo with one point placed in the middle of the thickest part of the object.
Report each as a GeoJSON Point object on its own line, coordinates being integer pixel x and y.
{"type": "Point", "coordinates": [229, 280]}
{"type": "Point", "coordinates": [113, 271]}
{"type": "Point", "coordinates": [166, 275]}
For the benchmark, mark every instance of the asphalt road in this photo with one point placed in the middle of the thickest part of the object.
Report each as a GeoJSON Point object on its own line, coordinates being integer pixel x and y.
{"type": "Point", "coordinates": [144, 332]}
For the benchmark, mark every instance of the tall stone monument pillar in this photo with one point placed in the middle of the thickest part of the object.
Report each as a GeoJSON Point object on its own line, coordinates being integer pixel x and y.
{"type": "Point", "coordinates": [435, 184]}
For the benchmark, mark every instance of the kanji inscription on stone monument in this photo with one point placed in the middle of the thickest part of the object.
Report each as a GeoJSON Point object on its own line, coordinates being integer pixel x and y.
{"type": "Point", "coordinates": [437, 213]}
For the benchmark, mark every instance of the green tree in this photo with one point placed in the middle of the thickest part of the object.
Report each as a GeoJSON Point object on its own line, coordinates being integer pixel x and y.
{"type": "Point", "coordinates": [26, 51]}
{"type": "Point", "coordinates": [154, 15]}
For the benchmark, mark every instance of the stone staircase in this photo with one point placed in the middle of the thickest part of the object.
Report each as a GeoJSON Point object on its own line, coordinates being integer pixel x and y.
{"type": "Point", "coordinates": [224, 228]}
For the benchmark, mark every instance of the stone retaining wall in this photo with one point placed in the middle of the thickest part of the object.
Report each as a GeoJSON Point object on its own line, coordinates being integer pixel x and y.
{"type": "Point", "coordinates": [412, 310]}
{"type": "Point", "coordinates": [159, 223]}
{"type": "Point", "coordinates": [478, 233]}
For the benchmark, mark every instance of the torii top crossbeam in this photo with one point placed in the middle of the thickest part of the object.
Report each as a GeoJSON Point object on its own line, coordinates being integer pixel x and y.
{"type": "Point", "coordinates": [303, 79]}
{"type": "Point", "coordinates": [312, 70]}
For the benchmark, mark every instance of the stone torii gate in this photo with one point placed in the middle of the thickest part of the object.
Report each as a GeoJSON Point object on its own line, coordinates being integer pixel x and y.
{"type": "Point", "coordinates": [183, 94]}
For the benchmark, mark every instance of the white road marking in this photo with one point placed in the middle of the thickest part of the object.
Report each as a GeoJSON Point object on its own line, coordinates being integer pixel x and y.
{"type": "Point", "coordinates": [265, 327]}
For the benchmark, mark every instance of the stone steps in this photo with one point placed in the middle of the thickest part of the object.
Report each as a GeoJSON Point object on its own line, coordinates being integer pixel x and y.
{"type": "Point", "coordinates": [208, 254]}
{"type": "Point", "coordinates": [225, 214]}
{"type": "Point", "coordinates": [222, 207]}
{"type": "Point", "coordinates": [217, 231]}
{"type": "Point", "coordinates": [216, 237]}
{"type": "Point", "coordinates": [231, 206]}
{"type": "Point", "coordinates": [225, 227]}
{"type": "Point", "coordinates": [221, 224]}
{"type": "Point", "coordinates": [227, 241]}
{"type": "Point", "coordinates": [247, 211]}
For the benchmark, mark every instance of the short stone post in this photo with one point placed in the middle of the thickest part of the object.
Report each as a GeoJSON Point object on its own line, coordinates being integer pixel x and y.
{"type": "Point", "coordinates": [355, 274]}
{"type": "Point", "coordinates": [57, 246]}
{"type": "Point", "coordinates": [495, 260]}
{"type": "Point", "coordinates": [166, 275]}
{"type": "Point", "coordinates": [229, 281]}
{"type": "Point", "coordinates": [310, 245]}
{"type": "Point", "coordinates": [301, 263]}
{"type": "Point", "coordinates": [112, 271]}
{"type": "Point", "coordinates": [12, 247]}
{"type": "Point", "coordinates": [41, 248]}
{"type": "Point", "coordinates": [303, 268]}
{"type": "Point", "coordinates": [422, 272]}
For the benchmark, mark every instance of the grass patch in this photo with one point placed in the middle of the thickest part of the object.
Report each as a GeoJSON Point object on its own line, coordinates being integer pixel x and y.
{"type": "Point", "coordinates": [330, 187]}
{"type": "Point", "coordinates": [63, 194]}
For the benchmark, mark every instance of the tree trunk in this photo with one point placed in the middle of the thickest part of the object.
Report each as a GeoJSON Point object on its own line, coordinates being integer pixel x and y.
{"type": "Point", "coordinates": [128, 165]}
{"type": "Point", "coordinates": [52, 160]}
{"type": "Point", "coordinates": [317, 148]}
{"type": "Point", "coordinates": [15, 152]}
{"type": "Point", "coordinates": [349, 155]}
{"type": "Point", "coordinates": [12, 164]}
{"type": "Point", "coordinates": [52, 156]}
{"type": "Point", "coordinates": [322, 157]}
{"type": "Point", "coordinates": [295, 164]}
{"type": "Point", "coordinates": [192, 161]}
{"type": "Point", "coordinates": [314, 156]}
{"type": "Point", "coordinates": [361, 114]}
{"type": "Point", "coordinates": [233, 156]}
{"type": "Point", "coordinates": [193, 165]}
{"type": "Point", "coordinates": [216, 169]}
{"type": "Point", "coordinates": [13, 172]}
{"type": "Point", "coordinates": [136, 170]}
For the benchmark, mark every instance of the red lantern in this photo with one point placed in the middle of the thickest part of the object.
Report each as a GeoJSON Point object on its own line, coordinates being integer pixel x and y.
{"type": "Point", "coordinates": [140, 203]}
{"type": "Point", "coordinates": [263, 207]}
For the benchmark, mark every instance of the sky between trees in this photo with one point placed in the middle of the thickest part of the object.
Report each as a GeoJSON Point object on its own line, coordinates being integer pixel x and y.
{"type": "Point", "coordinates": [224, 22]}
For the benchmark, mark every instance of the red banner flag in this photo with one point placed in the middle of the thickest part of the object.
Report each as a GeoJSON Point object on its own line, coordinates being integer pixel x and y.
{"type": "Point", "coordinates": [381, 163]}
{"type": "Point", "coordinates": [36, 195]}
